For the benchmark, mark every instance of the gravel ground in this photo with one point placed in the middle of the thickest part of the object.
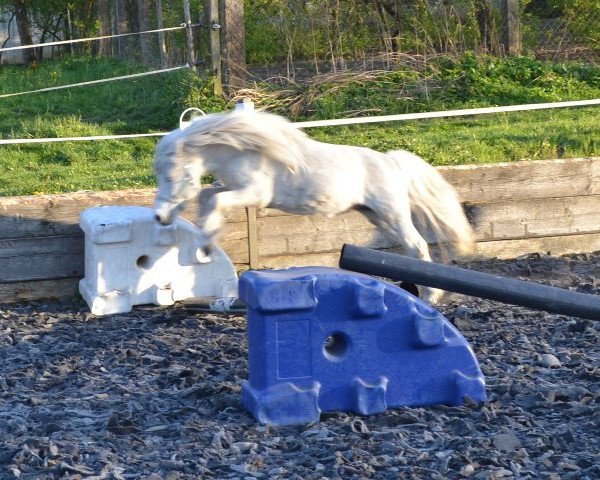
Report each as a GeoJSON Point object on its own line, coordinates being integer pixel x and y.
{"type": "Point", "coordinates": [155, 394]}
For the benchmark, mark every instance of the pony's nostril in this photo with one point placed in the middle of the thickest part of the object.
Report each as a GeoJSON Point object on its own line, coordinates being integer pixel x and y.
{"type": "Point", "coordinates": [162, 220]}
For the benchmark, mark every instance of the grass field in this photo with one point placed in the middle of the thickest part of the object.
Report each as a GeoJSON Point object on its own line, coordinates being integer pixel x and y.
{"type": "Point", "coordinates": [490, 139]}
{"type": "Point", "coordinates": [152, 104]}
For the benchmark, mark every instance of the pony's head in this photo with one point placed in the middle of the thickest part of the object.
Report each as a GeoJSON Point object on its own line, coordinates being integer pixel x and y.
{"type": "Point", "coordinates": [178, 178]}
{"type": "Point", "coordinates": [212, 143]}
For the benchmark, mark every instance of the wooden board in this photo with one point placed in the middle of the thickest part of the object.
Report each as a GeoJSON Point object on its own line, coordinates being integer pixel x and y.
{"type": "Point", "coordinates": [285, 234]}
{"type": "Point", "coordinates": [537, 217]}
{"type": "Point", "coordinates": [330, 259]}
{"type": "Point", "coordinates": [559, 245]}
{"type": "Point", "coordinates": [503, 249]}
{"type": "Point", "coordinates": [47, 215]}
{"type": "Point", "coordinates": [41, 289]}
{"type": "Point", "coordinates": [525, 180]}
{"type": "Point", "coordinates": [38, 258]}
{"type": "Point", "coordinates": [554, 245]}
{"type": "Point", "coordinates": [41, 215]}
{"type": "Point", "coordinates": [41, 267]}
{"type": "Point", "coordinates": [41, 258]}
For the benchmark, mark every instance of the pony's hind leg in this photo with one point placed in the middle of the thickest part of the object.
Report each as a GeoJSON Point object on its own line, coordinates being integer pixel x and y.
{"type": "Point", "coordinates": [395, 218]}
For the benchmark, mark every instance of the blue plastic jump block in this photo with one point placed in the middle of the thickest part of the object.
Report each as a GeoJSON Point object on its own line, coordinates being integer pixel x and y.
{"type": "Point", "coordinates": [324, 339]}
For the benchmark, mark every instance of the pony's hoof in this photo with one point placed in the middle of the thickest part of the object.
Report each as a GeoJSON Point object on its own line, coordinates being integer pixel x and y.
{"type": "Point", "coordinates": [410, 288]}
{"type": "Point", "coordinates": [203, 255]}
{"type": "Point", "coordinates": [432, 295]}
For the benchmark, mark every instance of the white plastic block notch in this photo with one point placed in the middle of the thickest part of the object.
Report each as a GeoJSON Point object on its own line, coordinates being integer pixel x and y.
{"type": "Point", "coordinates": [111, 302]}
{"type": "Point", "coordinates": [119, 231]}
{"type": "Point", "coordinates": [132, 260]}
{"type": "Point", "coordinates": [165, 235]}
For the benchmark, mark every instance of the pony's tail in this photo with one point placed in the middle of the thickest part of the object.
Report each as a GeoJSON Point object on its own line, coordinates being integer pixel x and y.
{"type": "Point", "coordinates": [435, 203]}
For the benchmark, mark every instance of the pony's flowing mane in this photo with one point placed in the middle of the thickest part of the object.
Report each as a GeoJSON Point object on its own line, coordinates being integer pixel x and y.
{"type": "Point", "coordinates": [271, 135]}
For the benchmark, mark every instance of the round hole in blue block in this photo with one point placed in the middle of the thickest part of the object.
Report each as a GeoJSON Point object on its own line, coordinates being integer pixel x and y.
{"type": "Point", "coordinates": [143, 262]}
{"type": "Point", "coordinates": [336, 346]}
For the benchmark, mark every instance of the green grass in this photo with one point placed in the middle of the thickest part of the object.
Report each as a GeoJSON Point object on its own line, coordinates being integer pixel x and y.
{"type": "Point", "coordinates": [496, 138]}
{"type": "Point", "coordinates": [146, 104]}
{"type": "Point", "coordinates": [154, 104]}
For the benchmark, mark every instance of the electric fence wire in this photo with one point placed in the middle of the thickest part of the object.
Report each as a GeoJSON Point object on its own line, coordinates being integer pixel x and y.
{"type": "Point", "coordinates": [93, 82]}
{"type": "Point", "coordinates": [103, 37]}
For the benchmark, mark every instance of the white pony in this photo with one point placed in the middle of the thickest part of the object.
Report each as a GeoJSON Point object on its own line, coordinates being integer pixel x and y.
{"type": "Point", "coordinates": [264, 161]}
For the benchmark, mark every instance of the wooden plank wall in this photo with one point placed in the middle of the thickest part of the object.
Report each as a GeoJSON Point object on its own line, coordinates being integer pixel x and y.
{"type": "Point", "coordinates": [517, 208]}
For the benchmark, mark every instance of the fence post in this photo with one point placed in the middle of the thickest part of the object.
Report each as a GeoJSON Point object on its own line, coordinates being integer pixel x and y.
{"type": "Point", "coordinates": [246, 105]}
{"type": "Point", "coordinates": [191, 55]}
{"type": "Point", "coordinates": [211, 8]}
{"type": "Point", "coordinates": [234, 43]}
{"type": "Point", "coordinates": [511, 27]}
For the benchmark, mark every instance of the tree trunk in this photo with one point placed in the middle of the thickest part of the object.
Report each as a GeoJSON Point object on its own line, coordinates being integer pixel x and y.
{"type": "Point", "coordinates": [103, 15]}
{"type": "Point", "coordinates": [143, 9]}
{"type": "Point", "coordinates": [162, 48]}
{"type": "Point", "coordinates": [189, 37]}
{"type": "Point", "coordinates": [484, 20]}
{"type": "Point", "coordinates": [8, 37]}
{"type": "Point", "coordinates": [122, 26]}
{"type": "Point", "coordinates": [24, 27]}
{"type": "Point", "coordinates": [391, 8]}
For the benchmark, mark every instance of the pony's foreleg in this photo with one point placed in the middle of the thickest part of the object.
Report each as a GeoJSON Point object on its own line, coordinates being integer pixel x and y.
{"type": "Point", "coordinates": [206, 209]}
{"type": "Point", "coordinates": [212, 201]}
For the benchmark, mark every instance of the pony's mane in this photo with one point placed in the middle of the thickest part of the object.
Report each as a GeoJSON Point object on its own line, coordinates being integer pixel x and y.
{"type": "Point", "coordinates": [270, 135]}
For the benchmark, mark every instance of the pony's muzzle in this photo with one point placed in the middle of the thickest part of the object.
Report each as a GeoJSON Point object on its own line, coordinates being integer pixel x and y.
{"type": "Point", "coordinates": [164, 213]}
{"type": "Point", "coordinates": [162, 220]}
{"type": "Point", "coordinates": [162, 217]}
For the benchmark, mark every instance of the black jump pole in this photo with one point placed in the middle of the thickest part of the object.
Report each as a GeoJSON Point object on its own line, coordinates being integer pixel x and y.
{"type": "Point", "coordinates": [469, 282]}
